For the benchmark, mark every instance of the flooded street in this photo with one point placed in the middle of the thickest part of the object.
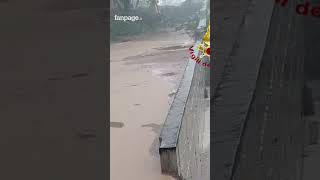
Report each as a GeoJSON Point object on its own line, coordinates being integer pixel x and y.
{"type": "Point", "coordinates": [145, 75]}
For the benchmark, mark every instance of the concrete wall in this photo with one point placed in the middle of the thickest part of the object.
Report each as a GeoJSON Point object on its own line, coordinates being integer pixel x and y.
{"type": "Point", "coordinates": [182, 150]}
{"type": "Point", "coordinates": [189, 147]}
{"type": "Point", "coordinates": [181, 139]}
{"type": "Point", "coordinates": [273, 139]}
{"type": "Point", "coordinates": [311, 26]}
{"type": "Point", "coordinates": [227, 16]}
{"type": "Point", "coordinates": [257, 128]}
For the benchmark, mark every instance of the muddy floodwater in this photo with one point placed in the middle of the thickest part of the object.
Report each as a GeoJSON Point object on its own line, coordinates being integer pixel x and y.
{"type": "Point", "coordinates": [145, 74]}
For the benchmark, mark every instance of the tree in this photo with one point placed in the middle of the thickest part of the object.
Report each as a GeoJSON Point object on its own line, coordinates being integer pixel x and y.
{"type": "Point", "coordinates": [121, 5]}
{"type": "Point", "coordinates": [153, 4]}
{"type": "Point", "coordinates": [137, 3]}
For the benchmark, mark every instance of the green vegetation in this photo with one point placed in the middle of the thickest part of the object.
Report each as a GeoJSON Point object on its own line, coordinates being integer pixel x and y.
{"type": "Point", "coordinates": [153, 17]}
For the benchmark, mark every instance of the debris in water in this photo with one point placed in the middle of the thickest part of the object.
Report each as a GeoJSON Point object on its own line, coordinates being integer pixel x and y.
{"type": "Point", "coordinates": [116, 124]}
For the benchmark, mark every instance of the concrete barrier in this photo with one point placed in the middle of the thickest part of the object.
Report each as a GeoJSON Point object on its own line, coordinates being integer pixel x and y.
{"type": "Point", "coordinates": [182, 149]}
{"type": "Point", "coordinates": [256, 110]}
